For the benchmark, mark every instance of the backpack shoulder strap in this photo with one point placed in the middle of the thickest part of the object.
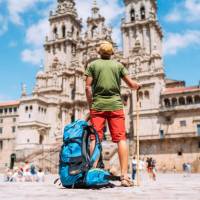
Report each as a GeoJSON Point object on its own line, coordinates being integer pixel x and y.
{"type": "Point", "coordinates": [89, 130]}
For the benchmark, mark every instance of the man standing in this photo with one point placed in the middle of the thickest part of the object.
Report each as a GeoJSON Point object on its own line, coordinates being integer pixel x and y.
{"type": "Point", "coordinates": [103, 80]}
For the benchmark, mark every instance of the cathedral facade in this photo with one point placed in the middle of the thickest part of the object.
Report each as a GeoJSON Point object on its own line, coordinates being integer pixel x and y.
{"type": "Point", "coordinates": [169, 111]}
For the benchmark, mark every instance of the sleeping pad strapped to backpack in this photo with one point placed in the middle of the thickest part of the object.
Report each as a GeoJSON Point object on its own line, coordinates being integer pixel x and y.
{"type": "Point", "coordinates": [75, 168]}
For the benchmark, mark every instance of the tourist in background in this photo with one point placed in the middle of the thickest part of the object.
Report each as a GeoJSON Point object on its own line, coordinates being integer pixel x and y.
{"type": "Point", "coordinates": [134, 168]}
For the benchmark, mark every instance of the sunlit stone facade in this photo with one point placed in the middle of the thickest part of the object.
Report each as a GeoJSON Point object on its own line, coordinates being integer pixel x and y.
{"type": "Point", "coordinates": [169, 111]}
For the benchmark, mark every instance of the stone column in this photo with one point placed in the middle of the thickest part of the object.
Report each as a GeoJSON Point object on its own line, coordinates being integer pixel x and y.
{"type": "Point", "coordinates": [152, 37]}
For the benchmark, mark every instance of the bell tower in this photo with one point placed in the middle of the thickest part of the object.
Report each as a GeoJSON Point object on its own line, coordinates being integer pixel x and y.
{"type": "Point", "coordinates": [65, 29]}
{"type": "Point", "coordinates": [96, 32]}
{"type": "Point", "coordinates": [142, 50]}
{"type": "Point", "coordinates": [96, 28]}
{"type": "Point", "coordinates": [140, 25]}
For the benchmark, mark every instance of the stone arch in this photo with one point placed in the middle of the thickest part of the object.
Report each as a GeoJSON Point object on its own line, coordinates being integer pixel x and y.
{"type": "Point", "coordinates": [174, 102]}
{"type": "Point", "coordinates": [55, 31]}
{"type": "Point", "coordinates": [146, 94]}
{"type": "Point", "coordinates": [132, 15]}
{"type": "Point", "coordinates": [93, 31]}
{"type": "Point", "coordinates": [143, 12]}
{"type": "Point", "coordinates": [73, 91]}
{"type": "Point", "coordinates": [41, 139]}
{"type": "Point", "coordinates": [167, 102]}
{"type": "Point", "coordinates": [140, 95]}
{"type": "Point", "coordinates": [197, 99]}
{"type": "Point", "coordinates": [125, 99]}
{"type": "Point", "coordinates": [181, 101]}
{"type": "Point", "coordinates": [189, 100]}
{"type": "Point", "coordinates": [63, 31]}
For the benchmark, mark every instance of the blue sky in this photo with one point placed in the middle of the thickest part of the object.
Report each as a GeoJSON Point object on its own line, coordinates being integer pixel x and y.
{"type": "Point", "coordinates": [24, 24]}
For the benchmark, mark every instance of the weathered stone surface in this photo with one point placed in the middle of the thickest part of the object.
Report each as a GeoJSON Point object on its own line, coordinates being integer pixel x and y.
{"type": "Point", "coordinates": [167, 187]}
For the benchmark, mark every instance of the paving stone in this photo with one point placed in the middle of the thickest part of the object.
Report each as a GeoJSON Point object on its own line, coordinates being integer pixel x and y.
{"type": "Point", "coordinates": [167, 187]}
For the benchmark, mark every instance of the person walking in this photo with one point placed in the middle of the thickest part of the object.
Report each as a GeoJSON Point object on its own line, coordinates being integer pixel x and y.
{"type": "Point", "coordinates": [103, 80]}
{"type": "Point", "coordinates": [153, 169]}
{"type": "Point", "coordinates": [134, 168]}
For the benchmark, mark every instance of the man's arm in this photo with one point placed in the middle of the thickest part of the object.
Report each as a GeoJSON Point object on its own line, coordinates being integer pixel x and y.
{"type": "Point", "coordinates": [132, 84]}
{"type": "Point", "coordinates": [88, 90]}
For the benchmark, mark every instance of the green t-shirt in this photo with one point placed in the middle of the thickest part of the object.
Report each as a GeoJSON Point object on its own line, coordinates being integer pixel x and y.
{"type": "Point", "coordinates": [107, 75]}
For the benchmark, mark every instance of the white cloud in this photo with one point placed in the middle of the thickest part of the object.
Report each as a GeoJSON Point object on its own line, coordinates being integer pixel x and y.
{"type": "Point", "coordinates": [177, 41]}
{"type": "Point", "coordinates": [110, 9]}
{"type": "Point", "coordinates": [187, 11]}
{"type": "Point", "coordinates": [32, 56]}
{"type": "Point", "coordinates": [35, 37]}
{"type": "Point", "coordinates": [16, 8]}
{"type": "Point", "coordinates": [4, 25]}
{"type": "Point", "coordinates": [36, 33]}
{"type": "Point", "coordinates": [173, 16]}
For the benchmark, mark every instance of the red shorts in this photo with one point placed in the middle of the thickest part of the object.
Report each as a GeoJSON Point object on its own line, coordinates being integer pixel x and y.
{"type": "Point", "coordinates": [116, 123]}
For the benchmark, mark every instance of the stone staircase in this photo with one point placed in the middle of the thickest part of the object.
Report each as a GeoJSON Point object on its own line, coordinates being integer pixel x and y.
{"type": "Point", "coordinates": [110, 156]}
{"type": "Point", "coordinates": [48, 159]}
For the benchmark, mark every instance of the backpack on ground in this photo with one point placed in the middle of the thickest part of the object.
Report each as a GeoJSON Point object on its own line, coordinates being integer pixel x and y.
{"type": "Point", "coordinates": [76, 163]}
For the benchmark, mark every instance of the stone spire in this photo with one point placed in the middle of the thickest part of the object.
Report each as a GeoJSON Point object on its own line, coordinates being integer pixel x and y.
{"type": "Point", "coordinates": [23, 90]}
{"type": "Point", "coordinates": [95, 10]}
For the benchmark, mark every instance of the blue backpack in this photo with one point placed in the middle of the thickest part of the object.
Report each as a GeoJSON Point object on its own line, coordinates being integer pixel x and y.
{"type": "Point", "coordinates": [75, 167]}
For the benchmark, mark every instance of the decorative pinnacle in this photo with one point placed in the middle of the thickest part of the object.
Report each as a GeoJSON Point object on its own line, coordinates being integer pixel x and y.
{"type": "Point", "coordinates": [95, 6]}
{"type": "Point", "coordinates": [94, 3]}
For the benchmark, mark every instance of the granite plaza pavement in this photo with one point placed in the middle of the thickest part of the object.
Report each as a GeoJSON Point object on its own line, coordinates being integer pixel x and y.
{"type": "Point", "coordinates": [167, 187]}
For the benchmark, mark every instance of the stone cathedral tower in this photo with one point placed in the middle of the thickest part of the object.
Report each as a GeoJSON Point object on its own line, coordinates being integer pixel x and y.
{"type": "Point", "coordinates": [58, 97]}
{"type": "Point", "coordinates": [142, 48]}
{"type": "Point", "coordinates": [65, 29]}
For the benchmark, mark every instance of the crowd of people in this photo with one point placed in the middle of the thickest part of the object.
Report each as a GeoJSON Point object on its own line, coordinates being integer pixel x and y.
{"type": "Point", "coordinates": [150, 166]}
{"type": "Point", "coordinates": [26, 173]}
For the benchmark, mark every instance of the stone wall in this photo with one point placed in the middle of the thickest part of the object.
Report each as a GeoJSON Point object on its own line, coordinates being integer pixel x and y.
{"type": "Point", "coordinates": [172, 153]}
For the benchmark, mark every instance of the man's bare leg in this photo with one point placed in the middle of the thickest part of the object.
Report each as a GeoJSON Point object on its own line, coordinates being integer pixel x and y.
{"type": "Point", "coordinates": [123, 157]}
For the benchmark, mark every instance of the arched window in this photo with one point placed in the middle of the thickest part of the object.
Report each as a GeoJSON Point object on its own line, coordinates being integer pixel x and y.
{"type": "Point", "coordinates": [73, 93]}
{"type": "Point", "coordinates": [140, 95]}
{"type": "Point", "coordinates": [189, 100]}
{"type": "Point", "coordinates": [174, 102]}
{"type": "Point", "coordinates": [146, 94]}
{"type": "Point", "coordinates": [72, 31]}
{"type": "Point", "coordinates": [197, 99]}
{"type": "Point", "coordinates": [142, 12]}
{"type": "Point", "coordinates": [55, 31]}
{"type": "Point", "coordinates": [41, 139]}
{"type": "Point", "coordinates": [167, 102]}
{"type": "Point", "coordinates": [94, 30]}
{"type": "Point", "coordinates": [125, 99]}
{"type": "Point", "coordinates": [132, 15]}
{"type": "Point", "coordinates": [181, 101]}
{"type": "Point", "coordinates": [63, 31]}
